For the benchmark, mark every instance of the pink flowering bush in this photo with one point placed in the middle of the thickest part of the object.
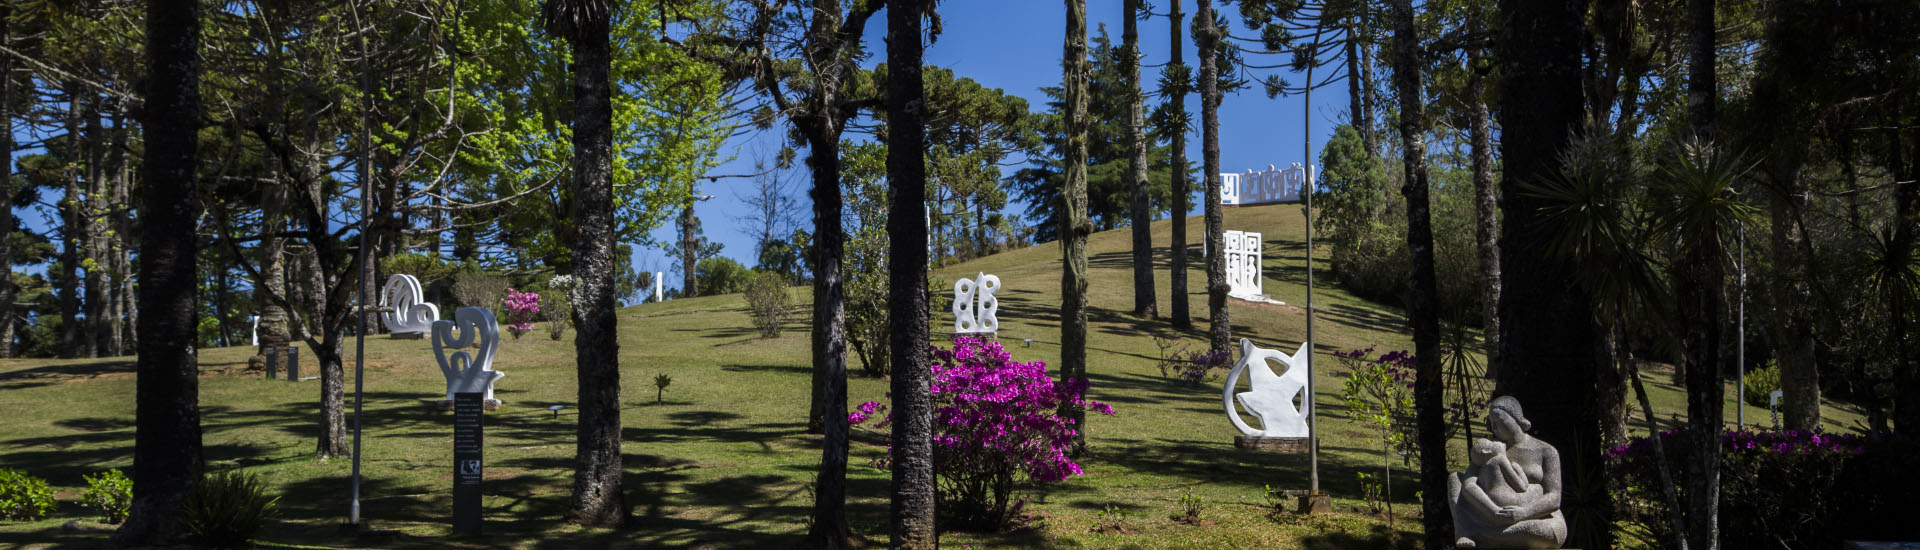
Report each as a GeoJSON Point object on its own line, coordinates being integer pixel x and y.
{"type": "Point", "coordinates": [994, 422]}
{"type": "Point", "coordinates": [522, 308]}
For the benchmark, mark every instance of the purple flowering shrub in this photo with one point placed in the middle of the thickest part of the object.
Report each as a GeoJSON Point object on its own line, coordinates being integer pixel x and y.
{"type": "Point", "coordinates": [994, 424]}
{"type": "Point", "coordinates": [1777, 489]}
{"type": "Point", "coordinates": [522, 308]}
{"type": "Point", "coordinates": [1187, 366]}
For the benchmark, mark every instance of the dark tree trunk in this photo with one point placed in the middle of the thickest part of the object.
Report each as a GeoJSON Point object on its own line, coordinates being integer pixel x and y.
{"type": "Point", "coordinates": [1143, 299]}
{"type": "Point", "coordinates": [912, 453]}
{"type": "Point", "coordinates": [1074, 224]}
{"type": "Point", "coordinates": [1177, 277]}
{"type": "Point", "coordinates": [597, 498]}
{"type": "Point", "coordinates": [333, 392]}
{"type": "Point", "coordinates": [273, 268]}
{"type": "Point", "coordinates": [1206, 38]}
{"type": "Point", "coordinates": [829, 409]}
{"type": "Point", "coordinates": [7, 291]}
{"type": "Point", "coordinates": [1701, 296]}
{"type": "Point", "coordinates": [1486, 204]}
{"type": "Point", "coordinates": [1550, 348]}
{"type": "Point", "coordinates": [689, 253]}
{"type": "Point", "coordinates": [72, 227]}
{"type": "Point", "coordinates": [94, 245]}
{"type": "Point", "coordinates": [116, 231]}
{"type": "Point", "coordinates": [1702, 85]}
{"type": "Point", "coordinates": [166, 454]}
{"type": "Point", "coordinates": [1424, 310]}
{"type": "Point", "coordinates": [1790, 312]}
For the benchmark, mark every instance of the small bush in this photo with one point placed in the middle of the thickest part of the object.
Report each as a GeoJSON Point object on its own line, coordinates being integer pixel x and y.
{"type": "Point", "coordinates": [1194, 367]}
{"type": "Point", "coordinates": [1191, 508]}
{"type": "Point", "coordinates": [23, 497]}
{"type": "Point", "coordinates": [110, 493]}
{"type": "Point", "coordinates": [226, 509]}
{"type": "Point", "coordinates": [768, 302]}
{"type": "Point", "coordinates": [720, 275]}
{"type": "Point", "coordinates": [478, 288]}
{"type": "Point", "coordinates": [558, 313]}
{"type": "Point", "coordinates": [1761, 382]}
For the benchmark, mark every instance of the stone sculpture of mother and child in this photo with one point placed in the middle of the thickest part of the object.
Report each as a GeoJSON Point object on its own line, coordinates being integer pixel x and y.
{"type": "Point", "coordinates": [1510, 496]}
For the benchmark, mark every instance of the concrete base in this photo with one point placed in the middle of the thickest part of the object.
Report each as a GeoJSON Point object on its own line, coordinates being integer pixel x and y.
{"type": "Point", "coordinates": [490, 404]}
{"type": "Point", "coordinates": [407, 336]}
{"type": "Point", "coordinates": [1312, 503]}
{"type": "Point", "coordinates": [1282, 445]}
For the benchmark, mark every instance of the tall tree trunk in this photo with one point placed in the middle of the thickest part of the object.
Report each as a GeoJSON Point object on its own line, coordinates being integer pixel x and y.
{"type": "Point", "coordinates": [1074, 223]}
{"type": "Point", "coordinates": [1177, 276]}
{"type": "Point", "coordinates": [689, 252]}
{"type": "Point", "coordinates": [1369, 97]}
{"type": "Point", "coordinates": [597, 496]}
{"type": "Point", "coordinates": [7, 290]}
{"type": "Point", "coordinates": [94, 244]}
{"type": "Point", "coordinates": [1144, 303]}
{"type": "Point", "coordinates": [1551, 351]}
{"type": "Point", "coordinates": [273, 329]}
{"type": "Point", "coordinates": [1429, 388]}
{"type": "Point", "coordinates": [166, 453]}
{"type": "Point", "coordinates": [72, 227]}
{"type": "Point", "coordinates": [1701, 298]}
{"type": "Point", "coordinates": [829, 294]}
{"type": "Point", "coordinates": [1486, 205]}
{"type": "Point", "coordinates": [912, 453]}
{"type": "Point", "coordinates": [1790, 312]}
{"type": "Point", "coordinates": [1702, 85]}
{"type": "Point", "coordinates": [113, 224]}
{"type": "Point", "coordinates": [1206, 39]}
{"type": "Point", "coordinates": [332, 442]}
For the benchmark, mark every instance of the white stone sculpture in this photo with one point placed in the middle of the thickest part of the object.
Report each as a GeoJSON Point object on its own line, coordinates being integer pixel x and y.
{"type": "Point", "coordinates": [1244, 254]}
{"type": "Point", "coordinates": [975, 308]}
{"type": "Point", "coordinates": [468, 373]}
{"type": "Point", "coordinates": [403, 309]}
{"type": "Point", "coordinates": [659, 286]}
{"type": "Point", "coordinates": [1510, 496]}
{"type": "Point", "coordinates": [1267, 186]}
{"type": "Point", "coordinates": [1273, 398]}
{"type": "Point", "coordinates": [256, 331]}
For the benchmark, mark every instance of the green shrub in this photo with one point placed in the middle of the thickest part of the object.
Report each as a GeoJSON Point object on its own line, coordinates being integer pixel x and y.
{"type": "Point", "coordinates": [110, 493]}
{"type": "Point", "coordinates": [23, 497]}
{"type": "Point", "coordinates": [558, 311]}
{"type": "Point", "coordinates": [720, 275]}
{"type": "Point", "coordinates": [768, 302]}
{"type": "Point", "coordinates": [477, 288]}
{"type": "Point", "coordinates": [226, 509]}
{"type": "Point", "coordinates": [1761, 382]}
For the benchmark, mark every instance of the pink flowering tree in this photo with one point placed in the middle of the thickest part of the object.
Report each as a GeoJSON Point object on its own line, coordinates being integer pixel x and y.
{"type": "Point", "coordinates": [522, 308]}
{"type": "Point", "coordinates": [994, 424]}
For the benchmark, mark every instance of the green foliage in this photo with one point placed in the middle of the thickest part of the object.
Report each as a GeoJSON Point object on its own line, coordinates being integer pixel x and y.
{"type": "Point", "coordinates": [869, 318]}
{"type": "Point", "coordinates": [110, 493]}
{"type": "Point", "coordinates": [226, 509]}
{"type": "Point", "coordinates": [475, 288]}
{"type": "Point", "coordinates": [1112, 518]}
{"type": "Point", "coordinates": [660, 383]}
{"type": "Point", "coordinates": [558, 311]}
{"type": "Point", "coordinates": [768, 302]}
{"type": "Point", "coordinates": [1761, 382]}
{"type": "Point", "coordinates": [1372, 491]}
{"type": "Point", "coordinates": [23, 497]}
{"type": "Point", "coordinates": [427, 268]}
{"type": "Point", "coordinates": [1191, 508]}
{"type": "Point", "coordinates": [721, 275]}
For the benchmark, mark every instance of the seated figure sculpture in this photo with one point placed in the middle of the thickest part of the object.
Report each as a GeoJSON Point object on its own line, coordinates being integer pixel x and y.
{"type": "Point", "coordinates": [1510, 498]}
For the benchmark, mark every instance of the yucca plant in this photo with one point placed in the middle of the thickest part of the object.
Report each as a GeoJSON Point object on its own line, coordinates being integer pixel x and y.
{"type": "Point", "coordinates": [227, 509]}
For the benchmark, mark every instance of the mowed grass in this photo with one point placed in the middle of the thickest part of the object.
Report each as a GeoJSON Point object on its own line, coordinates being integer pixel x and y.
{"type": "Point", "coordinates": [723, 461]}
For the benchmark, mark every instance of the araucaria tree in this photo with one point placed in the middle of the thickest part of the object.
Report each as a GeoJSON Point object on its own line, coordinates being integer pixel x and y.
{"type": "Point", "coordinates": [1074, 224]}
{"type": "Point", "coordinates": [1141, 216]}
{"type": "Point", "coordinates": [911, 457]}
{"type": "Point", "coordinates": [1206, 37]}
{"type": "Point", "coordinates": [597, 498]}
{"type": "Point", "coordinates": [166, 454]}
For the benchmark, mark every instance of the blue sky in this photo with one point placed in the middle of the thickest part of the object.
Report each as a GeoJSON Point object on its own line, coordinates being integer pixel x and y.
{"type": "Point", "coordinates": [1015, 45]}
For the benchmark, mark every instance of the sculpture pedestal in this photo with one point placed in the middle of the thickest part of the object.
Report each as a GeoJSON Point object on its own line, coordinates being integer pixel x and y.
{"type": "Point", "coordinates": [1282, 445]}
{"type": "Point", "coordinates": [407, 335]}
{"type": "Point", "coordinates": [490, 405]}
{"type": "Point", "coordinates": [1309, 502]}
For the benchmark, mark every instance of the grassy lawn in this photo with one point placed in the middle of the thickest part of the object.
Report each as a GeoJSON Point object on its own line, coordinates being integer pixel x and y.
{"type": "Point", "coordinates": [723, 461]}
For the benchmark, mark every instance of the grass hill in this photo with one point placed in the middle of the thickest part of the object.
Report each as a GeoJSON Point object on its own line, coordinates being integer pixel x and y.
{"type": "Point", "coordinates": [722, 460]}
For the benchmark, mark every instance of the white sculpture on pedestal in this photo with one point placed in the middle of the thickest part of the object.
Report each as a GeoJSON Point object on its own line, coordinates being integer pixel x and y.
{"type": "Point", "coordinates": [1267, 186]}
{"type": "Point", "coordinates": [256, 331]}
{"type": "Point", "coordinates": [408, 313]}
{"type": "Point", "coordinates": [1244, 250]}
{"type": "Point", "coordinates": [1273, 397]}
{"type": "Point", "coordinates": [974, 307]}
{"type": "Point", "coordinates": [468, 373]}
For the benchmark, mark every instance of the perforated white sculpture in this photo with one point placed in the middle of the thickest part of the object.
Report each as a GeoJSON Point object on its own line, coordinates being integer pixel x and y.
{"type": "Point", "coordinates": [1273, 397]}
{"type": "Point", "coordinates": [405, 311]}
{"type": "Point", "coordinates": [1267, 186]}
{"type": "Point", "coordinates": [1244, 250]}
{"type": "Point", "coordinates": [468, 373]}
{"type": "Point", "coordinates": [974, 307]}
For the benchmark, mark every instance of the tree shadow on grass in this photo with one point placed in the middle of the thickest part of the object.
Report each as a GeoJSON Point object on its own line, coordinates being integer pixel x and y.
{"type": "Point", "coordinates": [40, 376]}
{"type": "Point", "coordinates": [1375, 536]}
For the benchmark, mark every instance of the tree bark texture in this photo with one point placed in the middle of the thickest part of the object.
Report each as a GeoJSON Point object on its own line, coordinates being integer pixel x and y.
{"type": "Point", "coordinates": [1702, 85]}
{"type": "Point", "coordinates": [597, 499]}
{"type": "Point", "coordinates": [1074, 223]}
{"type": "Point", "coordinates": [1424, 311]}
{"type": "Point", "coordinates": [1701, 296]}
{"type": "Point", "coordinates": [94, 236]}
{"type": "Point", "coordinates": [72, 228]}
{"type": "Point", "coordinates": [1550, 347]}
{"type": "Point", "coordinates": [829, 291]}
{"type": "Point", "coordinates": [1206, 39]}
{"type": "Point", "coordinates": [167, 453]}
{"type": "Point", "coordinates": [1790, 312]}
{"type": "Point", "coordinates": [1486, 205]}
{"type": "Point", "coordinates": [7, 290]}
{"type": "Point", "coordinates": [1144, 303]}
{"type": "Point", "coordinates": [912, 520]}
{"type": "Point", "coordinates": [1177, 277]}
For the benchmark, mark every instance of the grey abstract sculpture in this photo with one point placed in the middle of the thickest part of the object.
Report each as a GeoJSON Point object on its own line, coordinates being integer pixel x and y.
{"type": "Point", "coordinates": [975, 309]}
{"type": "Point", "coordinates": [1510, 496]}
{"type": "Point", "coordinates": [405, 310]}
{"type": "Point", "coordinates": [1273, 397]}
{"type": "Point", "coordinates": [468, 373]}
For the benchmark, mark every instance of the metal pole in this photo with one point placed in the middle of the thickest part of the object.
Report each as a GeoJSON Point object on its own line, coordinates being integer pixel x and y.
{"type": "Point", "coordinates": [1313, 416]}
{"type": "Point", "coordinates": [366, 208]}
{"type": "Point", "coordinates": [1740, 353]}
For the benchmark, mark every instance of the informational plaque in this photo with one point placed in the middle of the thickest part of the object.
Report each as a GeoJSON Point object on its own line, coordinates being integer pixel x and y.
{"type": "Point", "coordinates": [467, 439]}
{"type": "Point", "coordinates": [273, 363]}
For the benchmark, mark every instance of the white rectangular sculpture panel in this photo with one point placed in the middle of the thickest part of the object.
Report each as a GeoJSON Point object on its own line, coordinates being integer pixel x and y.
{"type": "Point", "coordinates": [975, 308]}
{"type": "Point", "coordinates": [1244, 249]}
{"type": "Point", "coordinates": [1268, 186]}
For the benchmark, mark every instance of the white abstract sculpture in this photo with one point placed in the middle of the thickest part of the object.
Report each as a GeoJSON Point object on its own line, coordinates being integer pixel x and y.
{"type": "Point", "coordinates": [1273, 396]}
{"type": "Point", "coordinates": [406, 311]}
{"type": "Point", "coordinates": [256, 331]}
{"type": "Point", "coordinates": [1268, 186]}
{"type": "Point", "coordinates": [468, 373]}
{"type": "Point", "coordinates": [974, 307]}
{"type": "Point", "coordinates": [1243, 265]}
{"type": "Point", "coordinates": [659, 286]}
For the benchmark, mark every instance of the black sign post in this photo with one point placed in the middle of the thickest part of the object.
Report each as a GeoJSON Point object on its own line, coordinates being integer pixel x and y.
{"type": "Point", "coordinates": [293, 365]}
{"type": "Point", "coordinates": [466, 462]}
{"type": "Point", "coordinates": [273, 362]}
